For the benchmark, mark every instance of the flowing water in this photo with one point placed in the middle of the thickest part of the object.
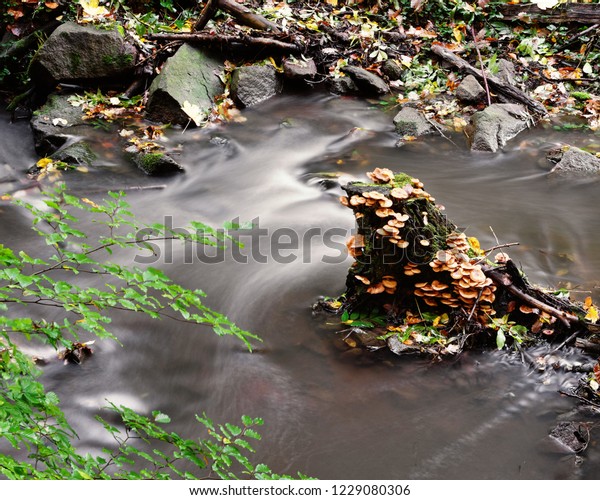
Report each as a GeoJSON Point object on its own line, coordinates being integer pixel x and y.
{"type": "Point", "coordinates": [330, 413]}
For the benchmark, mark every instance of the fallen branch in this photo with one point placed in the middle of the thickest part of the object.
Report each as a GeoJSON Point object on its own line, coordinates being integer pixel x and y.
{"type": "Point", "coordinates": [213, 40]}
{"type": "Point", "coordinates": [588, 346]}
{"type": "Point", "coordinates": [207, 14]}
{"type": "Point", "coordinates": [245, 16]}
{"type": "Point", "coordinates": [508, 90]}
{"type": "Point", "coordinates": [506, 282]}
{"type": "Point", "coordinates": [567, 13]}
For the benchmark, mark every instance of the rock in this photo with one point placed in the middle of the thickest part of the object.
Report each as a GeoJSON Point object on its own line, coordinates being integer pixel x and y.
{"type": "Point", "coordinates": [573, 162]}
{"type": "Point", "coordinates": [343, 85]}
{"type": "Point", "coordinates": [507, 71]}
{"type": "Point", "coordinates": [83, 54]}
{"type": "Point", "coordinates": [51, 123]}
{"type": "Point", "coordinates": [493, 127]}
{"type": "Point", "coordinates": [470, 90]}
{"type": "Point", "coordinates": [299, 69]}
{"type": "Point", "coordinates": [155, 164]}
{"type": "Point", "coordinates": [251, 85]}
{"type": "Point", "coordinates": [410, 121]}
{"type": "Point", "coordinates": [572, 437]}
{"type": "Point", "coordinates": [392, 70]}
{"type": "Point", "coordinates": [77, 154]}
{"type": "Point", "coordinates": [367, 82]}
{"type": "Point", "coordinates": [191, 75]}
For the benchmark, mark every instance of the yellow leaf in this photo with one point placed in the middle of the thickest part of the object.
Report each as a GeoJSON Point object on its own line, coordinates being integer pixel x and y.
{"type": "Point", "coordinates": [457, 34]}
{"type": "Point", "coordinates": [474, 244]}
{"type": "Point", "coordinates": [44, 162]}
{"type": "Point", "coordinates": [91, 8]}
{"type": "Point", "coordinates": [588, 303]}
{"type": "Point", "coordinates": [592, 315]}
{"type": "Point", "coordinates": [194, 112]}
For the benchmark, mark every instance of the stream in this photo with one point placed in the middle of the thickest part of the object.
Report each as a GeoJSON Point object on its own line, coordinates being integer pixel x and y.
{"type": "Point", "coordinates": [331, 413]}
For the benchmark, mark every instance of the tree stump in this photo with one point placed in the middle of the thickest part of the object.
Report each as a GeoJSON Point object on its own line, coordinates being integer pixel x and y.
{"type": "Point", "coordinates": [420, 284]}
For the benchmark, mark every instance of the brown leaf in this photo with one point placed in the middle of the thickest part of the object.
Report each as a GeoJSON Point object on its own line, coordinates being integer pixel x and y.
{"type": "Point", "coordinates": [417, 4]}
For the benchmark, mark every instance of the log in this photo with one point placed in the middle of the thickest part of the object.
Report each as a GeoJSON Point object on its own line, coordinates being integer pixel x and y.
{"type": "Point", "coordinates": [583, 13]}
{"type": "Point", "coordinates": [207, 14]}
{"type": "Point", "coordinates": [219, 41]}
{"type": "Point", "coordinates": [498, 85]}
{"type": "Point", "coordinates": [245, 16]}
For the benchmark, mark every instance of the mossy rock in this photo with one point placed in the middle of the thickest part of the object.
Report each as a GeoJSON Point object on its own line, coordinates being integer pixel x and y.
{"type": "Point", "coordinates": [154, 164]}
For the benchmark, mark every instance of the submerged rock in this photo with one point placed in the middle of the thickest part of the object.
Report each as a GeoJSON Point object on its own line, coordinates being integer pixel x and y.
{"type": "Point", "coordinates": [190, 75]}
{"type": "Point", "coordinates": [251, 85]}
{"type": "Point", "coordinates": [76, 154]}
{"type": "Point", "coordinates": [154, 164]}
{"type": "Point", "coordinates": [82, 53]}
{"type": "Point", "coordinates": [572, 162]}
{"type": "Point", "coordinates": [411, 122]}
{"type": "Point", "coordinates": [497, 124]}
{"type": "Point", "coordinates": [470, 90]}
{"type": "Point", "coordinates": [51, 124]}
{"type": "Point", "coordinates": [343, 85]}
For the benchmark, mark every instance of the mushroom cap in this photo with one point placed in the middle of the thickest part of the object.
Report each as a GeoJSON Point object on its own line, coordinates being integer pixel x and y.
{"type": "Point", "coordinates": [374, 195]}
{"type": "Point", "coordinates": [425, 243]}
{"type": "Point", "coordinates": [399, 193]}
{"type": "Point", "coordinates": [362, 279]}
{"type": "Point", "coordinates": [404, 244]}
{"type": "Point", "coordinates": [438, 285]}
{"type": "Point", "coordinates": [386, 203]}
{"type": "Point", "coordinates": [344, 200]}
{"type": "Point", "coordinates": [384, 212]}
{"type": "Point", "coordinates": [375, 289]}
{"type": "Point", "coordinates": [357, 200]}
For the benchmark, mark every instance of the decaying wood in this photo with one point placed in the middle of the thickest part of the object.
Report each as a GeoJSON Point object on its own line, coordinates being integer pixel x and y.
{"type": "Point", "coordinates": [218, 41]}
{"type": "Point", "coordinates": [583, 13]}
{"type": "Point", "coordinates": [245, 16]}
{"type": "Point", "coordinates": [498, 85]}
{"type": "Point", "coordinates": [505, 281]}
{"type": "Point", "coordinates": [588, 346]}
{"type": "Point", "coordinates": [209, 10]}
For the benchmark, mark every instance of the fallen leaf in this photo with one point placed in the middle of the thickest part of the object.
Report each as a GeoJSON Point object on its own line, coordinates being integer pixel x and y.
{"type": "Point", "coordinates": [592, 315]}
{"type": "Point", "coordinates": [194, 112]}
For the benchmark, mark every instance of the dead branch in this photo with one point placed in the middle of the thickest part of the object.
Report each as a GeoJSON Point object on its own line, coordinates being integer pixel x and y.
{"type": "Point", "coordinates": [213, 40]}
{"type": "Point", "coordinates": [506, 282]}
{"type": "Point", "coordinates": [208, 12]}
{"type": "Point", "coordinates": [588, 346]}
{"type": "Point", "coordinates": [508, 90]}
{"type": "Point", "coordinates": [583, 13]}
{"type": "Point", "coordinates": [245, 16]}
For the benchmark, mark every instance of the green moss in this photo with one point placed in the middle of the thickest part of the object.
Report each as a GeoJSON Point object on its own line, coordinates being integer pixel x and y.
{"type": "Point", "coordinates": [117, 60]}
{"type": "Point", "coordinates": [75, 62]}
{"type": "Point", "coordinates": [151, 163]}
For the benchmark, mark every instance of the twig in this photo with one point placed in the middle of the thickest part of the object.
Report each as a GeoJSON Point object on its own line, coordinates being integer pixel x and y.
{"type": "Point", "coordinates": [501, 245]}
{"type": "Point", "coordinates": [581, 398]}
{"type": "Point", "coordinates": [439, 129]}
{"type": "Point", "coordinates": [566, 342]}
{"type": "Point", "coordinates": [487, 88]}
{"type": "Point", "coordinates": [506, 282]}
{"type": "Point", "coordinates": [575, 38]}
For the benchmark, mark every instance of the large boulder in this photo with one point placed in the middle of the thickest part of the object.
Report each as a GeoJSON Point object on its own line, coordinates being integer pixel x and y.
{"type": "Point", "coordinates": [75, 53]}
{"type": "Point", "coordinates": [411, 122]}
{"type": "Point", "coordinates": [570, 161]}
{"type": "Point", "coordinates": [497, 124]}
{"type": "Point", "coordinates": [191, 75]}
{"type": "Point", "coordinates": [251, 85]}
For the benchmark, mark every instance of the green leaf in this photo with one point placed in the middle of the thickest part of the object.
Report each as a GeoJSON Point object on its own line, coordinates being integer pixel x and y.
{"type": "Point", "coordinates": [500, 339]}
{"type": "Point", "coordinates": [161, 418]}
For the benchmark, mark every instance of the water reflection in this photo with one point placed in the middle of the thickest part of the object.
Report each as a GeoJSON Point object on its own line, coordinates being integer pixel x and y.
{"type": "Point", "coordinates": [329, 413]}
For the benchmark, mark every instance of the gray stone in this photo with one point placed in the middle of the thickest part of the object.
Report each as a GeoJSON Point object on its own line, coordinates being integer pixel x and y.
{"type": "Point", "coordinates": [190, 75]}
{"type": "Point", "coordinates": [82, 53]}
{"type": "Point", "coordinates": [367, 82]}
{"type": "Point", "coordinates": [299, 69]}
{"type": "Point", "coordinates": [572, 162]}
{"type": "Point", "coordinates": [493, 127]}
{"type": "Point", "coordinates": [76, 154]}
{"type": "Point", "coordinates": [507, 71]}
{"type": "Point", "coordinates": [392, 69]}
{"type": "Point", "coordinates": [154, 164]}
{"type": "Point", "coordinates": [470, 90]}
{"type": "Point", "coordinates": [342, 85]}
{"type": "Point", "coordinates": [410, 121]}
{"type": "Point", "coordinates": [251, 85]}
{"type": "Point", "coordinates": [52, 124]}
